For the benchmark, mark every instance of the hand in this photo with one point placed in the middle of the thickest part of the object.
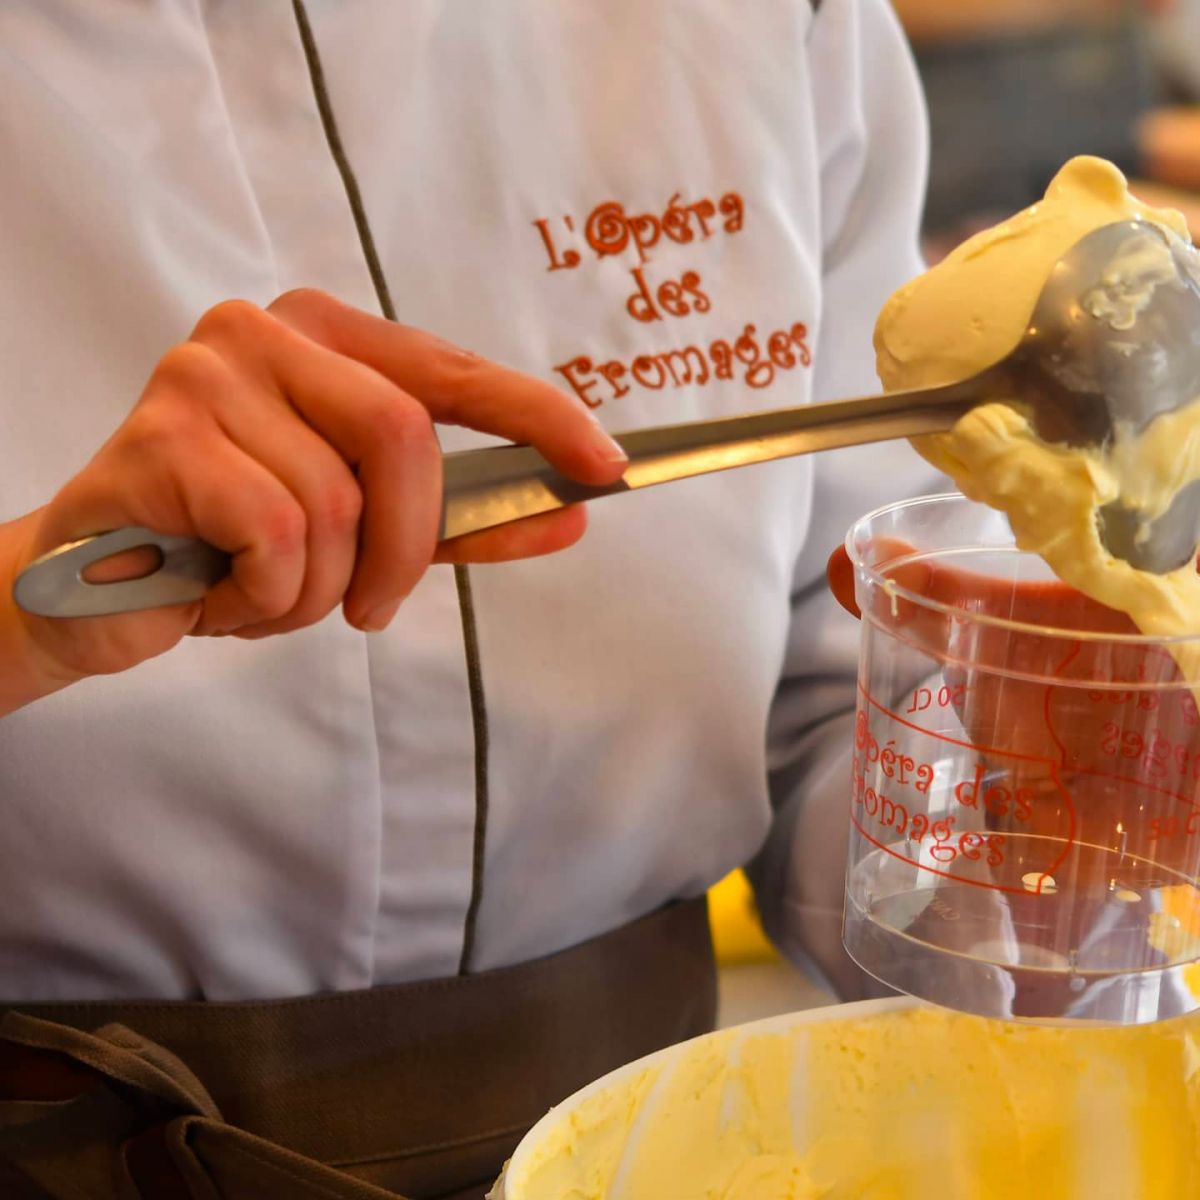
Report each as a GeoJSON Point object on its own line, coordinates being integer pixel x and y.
{"type": "Point", "coordinates": [300, 440]}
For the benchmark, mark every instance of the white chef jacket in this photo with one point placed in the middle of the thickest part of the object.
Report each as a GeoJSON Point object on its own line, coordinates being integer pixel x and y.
{"type": "Point", "coordinates": [584, 190]}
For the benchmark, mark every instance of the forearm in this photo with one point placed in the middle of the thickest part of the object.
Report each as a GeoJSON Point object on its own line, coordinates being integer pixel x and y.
{"type": "Point", "coordinates": [23, 677]}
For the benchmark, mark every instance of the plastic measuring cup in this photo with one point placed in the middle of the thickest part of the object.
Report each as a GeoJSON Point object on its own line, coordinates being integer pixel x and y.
{"type": "Point", "coordinates": [1025, 825]}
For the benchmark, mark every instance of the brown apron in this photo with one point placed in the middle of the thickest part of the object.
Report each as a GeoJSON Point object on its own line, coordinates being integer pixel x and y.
{"type": "Point", "coordinates": [421, 1089]}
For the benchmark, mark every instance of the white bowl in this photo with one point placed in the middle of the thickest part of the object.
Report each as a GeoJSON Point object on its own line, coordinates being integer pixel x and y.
{"type": "Point", "coordinates": [882, 1099]}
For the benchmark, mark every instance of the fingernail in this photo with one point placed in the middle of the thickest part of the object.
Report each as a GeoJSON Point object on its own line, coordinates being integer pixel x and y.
{"type": "Point", "coordinates": [606, 447]}
{"type": "Point", "coordinates": [378, 619]}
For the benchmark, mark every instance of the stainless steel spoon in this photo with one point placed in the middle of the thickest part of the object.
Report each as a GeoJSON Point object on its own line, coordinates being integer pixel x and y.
{"type": "Point", "coordinates": [1108, 345]}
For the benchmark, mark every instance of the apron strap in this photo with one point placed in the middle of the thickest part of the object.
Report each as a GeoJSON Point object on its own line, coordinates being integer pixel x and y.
{"type": "Point", "coordinates": [118, 1115]}
{"type": "Point", "coordinates": [419, 1089]}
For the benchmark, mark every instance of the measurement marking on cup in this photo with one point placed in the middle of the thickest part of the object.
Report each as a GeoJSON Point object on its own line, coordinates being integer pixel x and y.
{"type": "Point", "coordinates": [1000, 752]}
{"type": "Point", "coordinates": [948, 844]}
{"type": "Point", "coordinates": [996, 751]}
{"type": "Point", "coordinates": [904, 858]}
{"type": "Point", "coordinates": [947, 696]}
{"type": "Point", "coordinates": [891, 806]}
{"type": "Point", "coordinates": [894, 764]}
{"type": "Point", "coordinates": [912, 822]}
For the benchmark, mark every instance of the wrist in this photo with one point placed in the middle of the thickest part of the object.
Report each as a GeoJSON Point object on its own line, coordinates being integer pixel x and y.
{"type": "Point", "coordinates": [26, 672]}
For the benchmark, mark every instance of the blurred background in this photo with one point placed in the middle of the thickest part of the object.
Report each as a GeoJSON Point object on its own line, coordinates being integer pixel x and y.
{"type": "Point", "coordinates": [1015, 88]}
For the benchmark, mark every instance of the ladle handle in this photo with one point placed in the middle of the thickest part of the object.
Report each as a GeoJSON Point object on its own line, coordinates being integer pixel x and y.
{"type": "Point", "coordinates": [486, 488]}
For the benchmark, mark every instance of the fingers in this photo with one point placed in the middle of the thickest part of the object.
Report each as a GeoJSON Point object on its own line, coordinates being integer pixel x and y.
{"type": "Point", "coordinates": [839, 574]}
{"type": "Point", "coordinates": [457, 387]}
{"type": "Point", "coordinates": [339, 456]}
{"type": "Point", "coordinates": [882, 552]}
{"type": "Point", "coordinates": [309, 347]}
{"type": "Point", "coordinates": [130, 564]}
{"type": "Point", "coordinates": [544, 534]}
{"type": "Point", "coordinates": [215, 491]}
{"type": "Point", "coordinates": [384, 438]}
{"type": "Point", "coordinates": [323, 485]}
{"type": "Point", "coordinates": [400, 529]}
{"type": "Point", "coordinates": [391, 445]}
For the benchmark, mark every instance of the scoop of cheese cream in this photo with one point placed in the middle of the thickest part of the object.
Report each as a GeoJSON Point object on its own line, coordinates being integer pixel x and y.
{"type": "Point", "coordinates": [967, 313]}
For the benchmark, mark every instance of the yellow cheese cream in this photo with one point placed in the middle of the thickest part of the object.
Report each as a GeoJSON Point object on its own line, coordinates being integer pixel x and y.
{"type": "Point", "coordinates": [965, 314]}
{"type": "Point", "coordinates": [912, 1104]}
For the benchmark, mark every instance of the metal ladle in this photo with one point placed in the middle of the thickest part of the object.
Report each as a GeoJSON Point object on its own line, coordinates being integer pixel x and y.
{"type": "Point", "coordinates": [1114, 340]}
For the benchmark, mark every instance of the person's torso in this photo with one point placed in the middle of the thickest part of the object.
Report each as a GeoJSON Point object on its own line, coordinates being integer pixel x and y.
{"type": "Point", "coordinates": [620, 197]}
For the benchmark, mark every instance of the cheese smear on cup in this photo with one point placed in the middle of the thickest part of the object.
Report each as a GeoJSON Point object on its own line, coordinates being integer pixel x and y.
{"type": "Point", "coordinates": [967, 313]}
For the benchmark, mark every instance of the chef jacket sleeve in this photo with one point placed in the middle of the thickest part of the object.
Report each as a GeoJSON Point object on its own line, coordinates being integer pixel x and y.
{"type": "Point", "coordinates": [872, 143]}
